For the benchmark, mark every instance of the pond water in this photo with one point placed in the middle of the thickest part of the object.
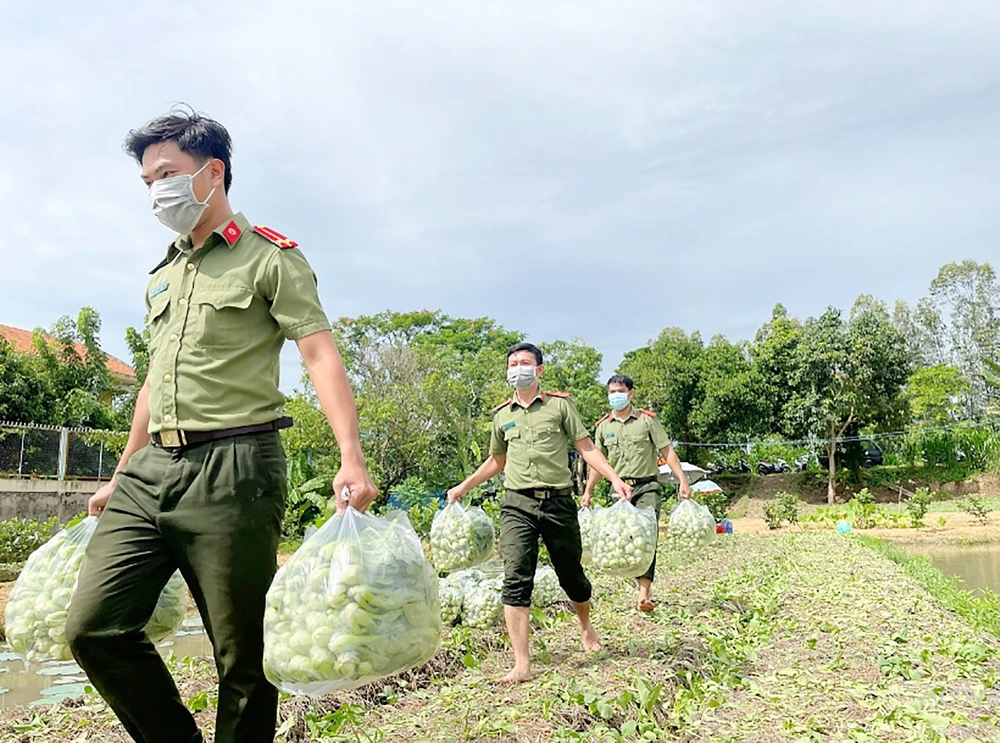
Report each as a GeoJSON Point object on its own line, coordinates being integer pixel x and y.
{"type": "Point", "coordinates": [976, 567]}
{"type": "Point", "coordinates": [48, 683]}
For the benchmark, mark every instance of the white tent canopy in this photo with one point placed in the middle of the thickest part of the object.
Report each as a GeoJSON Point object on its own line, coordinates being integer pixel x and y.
{"type": "Point", "coordinates": [694, 473]}
{"type": "Point", "coordinates": [705, 486]}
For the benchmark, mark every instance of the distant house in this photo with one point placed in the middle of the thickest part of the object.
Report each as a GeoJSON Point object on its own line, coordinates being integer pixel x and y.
{"type": "Point", "coordinates": [23, 342]}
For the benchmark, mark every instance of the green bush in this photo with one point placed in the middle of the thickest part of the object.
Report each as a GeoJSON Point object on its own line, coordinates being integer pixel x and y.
{"type": "Point", "coordinates": [976, 507]}
{"type": "Point", "coordinates": [774, 514]}
{"type": "Point", "coordinates": [714, 502]}
{"type": "Point", "coordinates": [917, 506]}
{"type": "Point", "coordinates": [20, 537]}
{"type": "Point", "coordinates": [861, 510]}
{"type": "Point", "coordinates": [783, 507]}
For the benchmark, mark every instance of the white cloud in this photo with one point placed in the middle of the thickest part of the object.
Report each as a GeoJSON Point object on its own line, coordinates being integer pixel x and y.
{"type": "Point", "coordinates": [725, 155]}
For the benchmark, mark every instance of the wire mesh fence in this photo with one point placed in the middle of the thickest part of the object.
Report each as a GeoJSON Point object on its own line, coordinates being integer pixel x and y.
{"type": "Point", "coordinates": [58, 453]}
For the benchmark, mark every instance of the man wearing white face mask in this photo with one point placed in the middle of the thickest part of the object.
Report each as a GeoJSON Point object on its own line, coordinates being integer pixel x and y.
{"type": "Point", "coordinates": [201, 487]}
{"type": "Point", "coordinates": [633, 441]}
{"type": "Point", "coordinates": [529, 444]}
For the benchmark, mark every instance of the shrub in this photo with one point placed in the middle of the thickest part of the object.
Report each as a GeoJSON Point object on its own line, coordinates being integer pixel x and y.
{"type": "Point", "coordinates": [20, 537]}
{"type": "Point", "coordinates": [861, 510]}
{"type": "Point", "coordinates": [714, 502]}
{"type": "Point", "coordinates": [774, 514]}
{"type": "Point", "coordinates": [917, 506]}
{"type": "Point", "coordinates": [977, 508]}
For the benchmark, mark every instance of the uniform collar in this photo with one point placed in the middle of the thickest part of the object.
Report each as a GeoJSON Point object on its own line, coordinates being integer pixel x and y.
{"type": "Point", "coordinates": [229, 233]}
{"type": "Point", "coordinates": [515, 400]}
{"type": "Point", "coordinates": [632, 413]}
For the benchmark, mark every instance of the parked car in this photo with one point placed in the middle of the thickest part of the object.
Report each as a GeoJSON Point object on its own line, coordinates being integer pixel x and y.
{"type": "Point", "coordinates": [872, 455]}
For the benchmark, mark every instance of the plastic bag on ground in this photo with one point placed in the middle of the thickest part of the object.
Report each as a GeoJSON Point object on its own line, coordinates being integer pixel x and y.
{"type": "Point", "coordinates": [356, 603]}
{"type": "Point", "coordinates": [38, 606]}
{"type": "Point", "coordinates": [451, 602]}
{"type": "Point", "coordinates": [691, 527]}
{"type": "Point", "coordinates": [623, 539]}
{"type": "Point", "coordinates": [481, 608]}
{"type": "Point", "coordinates": [461, 537]}
{"type": "Point", "coordinates": [547, 590]}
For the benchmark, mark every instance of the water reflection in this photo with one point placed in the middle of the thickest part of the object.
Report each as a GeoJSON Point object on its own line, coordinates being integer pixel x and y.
{"type": "Point", "coordinates": [49, 683]}
{"type": "Point", "coordinates": [976, 567]}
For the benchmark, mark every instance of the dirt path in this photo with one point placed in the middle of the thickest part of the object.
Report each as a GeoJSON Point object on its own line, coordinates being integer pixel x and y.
{"type": "Point", "coordinates": [960, 529]}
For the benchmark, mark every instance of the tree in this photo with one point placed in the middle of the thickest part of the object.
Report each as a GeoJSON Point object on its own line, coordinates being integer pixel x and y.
{"type": "Point", "coordinates": [924, 331]}
{"type": "Point", "coordinates": [666, 377]}
{"type": "Point", "coordinates": [968, 297]}
{"type": "Point", "coordinates": [733, 399]}
{"type": "Point", "coordinates": [22, 393]}
{"type": "Point", "coordinates": [849, 374]}
{"type": "Point", "coordinates": [936, 394]}
{"type": "Point", "coordinates": [574, 367]}
{"type": "Point", "coordinates": [774, 353]}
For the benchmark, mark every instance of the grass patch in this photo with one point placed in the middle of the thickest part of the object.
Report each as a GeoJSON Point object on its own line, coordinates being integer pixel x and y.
{"type": "Point", "coordinates": [980, 608]}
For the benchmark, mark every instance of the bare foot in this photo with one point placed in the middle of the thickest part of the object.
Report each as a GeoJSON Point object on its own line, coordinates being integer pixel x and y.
{"type": "Point", "coordinates": [591, 640]}
{"type": "Point", "coordinates": [517, 676]}
{"type": "Point", "coordinates": [645, 605]}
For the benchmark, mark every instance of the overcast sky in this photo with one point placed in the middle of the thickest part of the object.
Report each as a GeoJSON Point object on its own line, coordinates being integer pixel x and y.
{"type": "Point", "coordinates": [591, 169]}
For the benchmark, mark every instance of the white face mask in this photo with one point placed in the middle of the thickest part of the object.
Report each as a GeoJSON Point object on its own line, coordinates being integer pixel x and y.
{"type": "Point", "coordinates": [521, 377]}
{"type": "Point", "coordinates": [175, 204]}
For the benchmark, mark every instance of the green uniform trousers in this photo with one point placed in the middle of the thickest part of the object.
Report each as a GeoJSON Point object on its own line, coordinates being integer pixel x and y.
{"type": "Point", "coordinates": [648, 496]}
{"type": "Point", "coordinates": [523, 519]}
{"type": "Point", "coordinates": [214, 511]}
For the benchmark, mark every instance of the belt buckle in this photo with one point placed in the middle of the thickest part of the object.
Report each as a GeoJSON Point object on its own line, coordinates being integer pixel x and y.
{"type": "Point", "coordinates": [543, 494]}
{"type": "Point", "coordinates": [173, 439]}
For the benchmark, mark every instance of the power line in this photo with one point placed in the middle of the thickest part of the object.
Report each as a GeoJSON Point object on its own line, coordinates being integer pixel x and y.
{"type": "Point", "coordinates": [840, 440]}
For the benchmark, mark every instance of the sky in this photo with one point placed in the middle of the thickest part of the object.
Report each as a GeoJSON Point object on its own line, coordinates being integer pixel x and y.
{"type": "Point", "coordinates": [594, 170]}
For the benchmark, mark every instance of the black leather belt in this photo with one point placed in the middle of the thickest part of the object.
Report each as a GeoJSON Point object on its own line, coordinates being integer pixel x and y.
{"type": "Point", "coordinates": [180, 439]}
{"type": "Point", "coordinates": [543, 493]}
{"type": "Point", "coordinates": [636, 481]}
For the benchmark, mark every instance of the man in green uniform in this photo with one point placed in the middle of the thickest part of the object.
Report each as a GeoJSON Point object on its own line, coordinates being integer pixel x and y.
{"type": "Point", "coordinates": [529, 444]}
{"type": "Point", "coordinates": [201, 483]}
{"type": "Point", "coordinates": [633, 440]}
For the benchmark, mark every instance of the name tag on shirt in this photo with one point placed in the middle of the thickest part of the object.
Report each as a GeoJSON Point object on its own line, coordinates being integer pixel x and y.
{"type": "Point", "coordinates": [158, 289]}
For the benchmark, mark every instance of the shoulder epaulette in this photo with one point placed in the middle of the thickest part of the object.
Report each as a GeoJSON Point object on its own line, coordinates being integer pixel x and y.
{"type": "Point", "coordinates": [502, 405]}
{"type": "Point", "coordinates": [650, 413]}
{"type": "Point", "coordinates": [606, 417]}
{"type": "Point", "coordinates": [275, 237]}
{"type": "Point", "coordinates": [558, 394]}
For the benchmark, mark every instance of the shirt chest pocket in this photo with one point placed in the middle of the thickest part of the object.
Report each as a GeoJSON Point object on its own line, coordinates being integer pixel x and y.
{"type": "Point", "coordinates": [512, 436]}
{"type": "Point", "coordinates": [548, 436]}
{"type": "Point", "coordinates": [157, 319]}
{"type": "Point", "coordinates": [222, 320]}
{"type": "Point", "coordinates": [636, 437]}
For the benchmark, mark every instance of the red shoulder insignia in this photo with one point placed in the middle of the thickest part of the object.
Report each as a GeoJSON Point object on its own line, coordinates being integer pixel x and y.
{"type": "Point", "coordinates": [276, 237]}
{"type": "Point", "coordinates": [502, 405]}
{"type": "Point", "coordinates": [606, 417]}
{"type": "Point", "coordinates": [650, 413]}
{"type": "Point", "coordinates": [558, 394]}
{"type": "Point", "coordinates": [231, 232]}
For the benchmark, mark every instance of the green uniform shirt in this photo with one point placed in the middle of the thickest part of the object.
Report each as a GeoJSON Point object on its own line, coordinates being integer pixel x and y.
{"type": "Point", "coordinates": [631, 445]}
{"type": "Point", "coordinates": [217, 319]}
{"type": "Point", "coordinates": [535, 440]}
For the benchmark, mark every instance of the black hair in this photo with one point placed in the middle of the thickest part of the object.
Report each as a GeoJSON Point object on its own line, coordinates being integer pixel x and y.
{"type": "Point", "coordinates": [530, 348]}
{"type": "Point", "coordinates": [195, 134]}
{"type": "Point", "coordinates": [621, 379]}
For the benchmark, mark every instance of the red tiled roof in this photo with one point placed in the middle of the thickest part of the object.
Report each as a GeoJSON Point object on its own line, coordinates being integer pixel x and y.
{"type": "Point", "coordinates": [23, 342]}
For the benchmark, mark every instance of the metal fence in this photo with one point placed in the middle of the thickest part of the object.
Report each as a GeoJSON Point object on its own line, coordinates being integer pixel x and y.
{"type": "Point", "coordinates": [56, 453]}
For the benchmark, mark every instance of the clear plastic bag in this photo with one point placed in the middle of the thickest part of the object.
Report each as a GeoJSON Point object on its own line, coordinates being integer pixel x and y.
{"type": "Point", "coordinates": [38, 606]}
{"type": "Point", "coordinates": [691, 527]}
{"type": "Point", "coordinates": [171, 608]}
{"type": "Point", "coordinates": [356, 603]}
{"type": "Point", "coordinates": [623, 539]}
{"type": "Point", "coordinates": [451, 602]}
{"type": "Point", "coordinates": [461, 537]}
{"type": "Point", "coordinates": [547, 590]}
{"type": "Point", "coordinates": [586, 517]}
{"type": "Point", "coordinates": [481, 607]}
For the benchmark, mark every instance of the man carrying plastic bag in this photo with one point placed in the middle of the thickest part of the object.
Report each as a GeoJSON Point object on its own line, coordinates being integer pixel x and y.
{"type": "Point", "coordinates": [201, 483]}
{"type": "Point", "coordinates": [529, 445]}
{"type": "Point", "coordinates": [632, 440]}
